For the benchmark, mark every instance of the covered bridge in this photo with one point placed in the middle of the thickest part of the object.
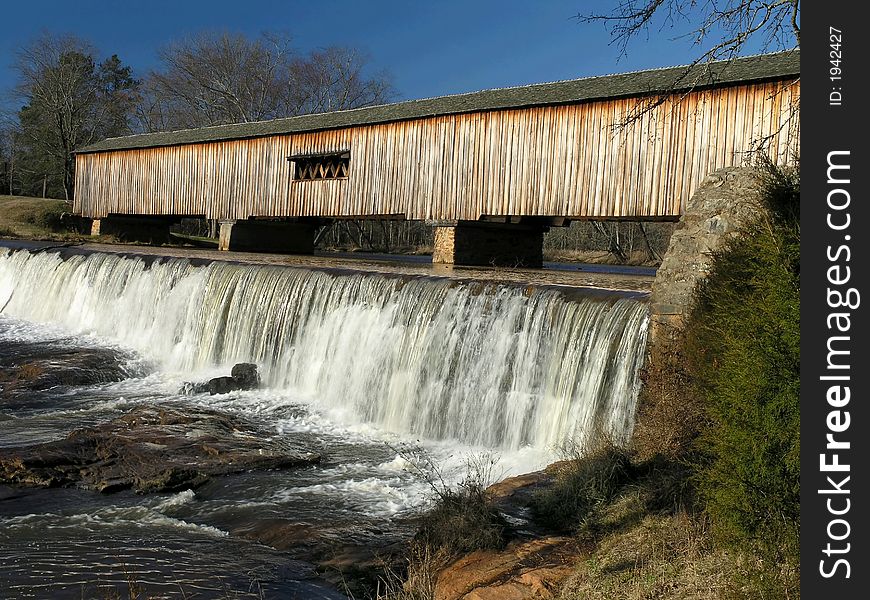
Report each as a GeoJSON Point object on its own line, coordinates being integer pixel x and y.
{"type": "Point", "coordinates": [489, 169]}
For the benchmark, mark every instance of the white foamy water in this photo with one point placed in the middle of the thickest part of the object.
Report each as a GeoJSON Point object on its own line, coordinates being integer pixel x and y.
{"type": "Point", "coordinates": [486, 365]}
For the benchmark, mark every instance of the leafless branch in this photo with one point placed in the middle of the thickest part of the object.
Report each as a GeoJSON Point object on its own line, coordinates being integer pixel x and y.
{"type": "Point", "coordinates": [719, 29]}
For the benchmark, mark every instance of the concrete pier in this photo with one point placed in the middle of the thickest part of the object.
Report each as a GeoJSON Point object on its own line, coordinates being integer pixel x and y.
{"type": "Point", "coordinates": [146, 230]}
{"type": "Point", "coordinates": [476, 243]}
{"type": "Point", "coordinates": [267, 236]}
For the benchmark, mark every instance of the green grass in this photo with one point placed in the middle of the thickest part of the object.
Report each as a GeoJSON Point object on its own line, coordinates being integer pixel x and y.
{"type": "Point", "coordinates": [195, 240]}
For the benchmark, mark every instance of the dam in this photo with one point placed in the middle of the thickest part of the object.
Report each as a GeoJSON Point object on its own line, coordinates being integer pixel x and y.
{"type": "Point", "coordinates": [393, 375]}
{"type": "Point", "coordinates": [486, 364]}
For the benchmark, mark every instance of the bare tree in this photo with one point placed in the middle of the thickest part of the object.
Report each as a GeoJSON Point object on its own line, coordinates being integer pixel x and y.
{"type": "Point", "coordinates": [212, 79]}
{"type": "Point", "coordinates": [219, 78]}
{"type": "Point", "coordinates": [69, 101]}
{"type": "Point", "coordinates": [334, 79]}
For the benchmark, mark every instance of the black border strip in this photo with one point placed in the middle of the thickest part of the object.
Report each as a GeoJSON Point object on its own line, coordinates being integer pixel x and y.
{"type": "Point", "coordinates": [835, 562]}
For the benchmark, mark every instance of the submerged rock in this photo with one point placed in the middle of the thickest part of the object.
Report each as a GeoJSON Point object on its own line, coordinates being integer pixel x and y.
{"type": "Point", "coordinates": [244, 376]}
{"type": "Point", "coordinates": [27, 366]}
{"type": "Point", "coordinates": [150, 449]}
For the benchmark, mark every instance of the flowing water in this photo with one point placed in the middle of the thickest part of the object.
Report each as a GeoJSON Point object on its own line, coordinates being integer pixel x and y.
{"type": "Point", "coordinates": [383, 374]}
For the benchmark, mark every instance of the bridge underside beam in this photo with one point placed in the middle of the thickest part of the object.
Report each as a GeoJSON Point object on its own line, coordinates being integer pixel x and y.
{"type": "Point", "coordinates": [267, 236]}
{"type": "Point", "coordinates": [128, 228]}
{"type": "Point", "coordinates": [477, 243]}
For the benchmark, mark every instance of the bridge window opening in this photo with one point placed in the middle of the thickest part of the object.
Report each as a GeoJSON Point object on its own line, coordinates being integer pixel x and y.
{"type": "Point", "coordinates": [320, 167]}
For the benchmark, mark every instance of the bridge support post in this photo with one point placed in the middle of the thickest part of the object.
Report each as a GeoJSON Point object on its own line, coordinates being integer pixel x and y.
{"type": "Point", "coordinates": [130, 228]}
{"type": "Point", "coordinates": [267, 236]}
{"type": "Point", "coordinates": [476, 243]}
{"type": "Point", "coordinates": [724, 200]}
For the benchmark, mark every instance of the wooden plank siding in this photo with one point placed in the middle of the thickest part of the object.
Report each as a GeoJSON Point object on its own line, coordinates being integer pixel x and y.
{"type": "Point", "coordinates": [558, 161]}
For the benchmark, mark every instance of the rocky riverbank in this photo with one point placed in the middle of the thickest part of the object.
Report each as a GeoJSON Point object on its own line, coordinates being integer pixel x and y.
{"type": "Point", "coordinates": [532, 565]}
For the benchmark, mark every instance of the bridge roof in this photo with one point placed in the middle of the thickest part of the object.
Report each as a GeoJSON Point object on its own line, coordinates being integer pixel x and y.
{"type": "Point", "coordinates": [778, 65]}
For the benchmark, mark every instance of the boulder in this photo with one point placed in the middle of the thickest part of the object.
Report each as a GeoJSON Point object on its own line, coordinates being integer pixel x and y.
{"type": "Point", "coordinates": [244, 376]}
{"type": "Point", "coordinates": [28, 366]}
{"type": "Point", "coordinates": [222, 385]}
{"type": "Point", "coordinates": [525, 570]}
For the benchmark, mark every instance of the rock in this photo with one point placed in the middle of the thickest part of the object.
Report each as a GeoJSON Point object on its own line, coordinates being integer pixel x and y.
{"type": "Point", "coordinates": [150, 450]}
{"type": "Point", "coordinates": [222, 385]}
{"type": "Point", "coordinates": [725, 200]}
{"type": "Point", "coordinates": [513, 498]}
{"type": "Point", "coordinates": [27, 366]}
{"type": "Point", "coordinates": [507, 591]}
{"type": "Point", "coordinates": [530, 570]}
{"type": "Point", "coordinates": [356, 555]}
{"type": "Point", "coordinates": [244, 376]}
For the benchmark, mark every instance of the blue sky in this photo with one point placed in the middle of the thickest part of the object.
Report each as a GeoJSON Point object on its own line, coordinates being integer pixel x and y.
{"type": "Point", "coordinates": [431, 48]}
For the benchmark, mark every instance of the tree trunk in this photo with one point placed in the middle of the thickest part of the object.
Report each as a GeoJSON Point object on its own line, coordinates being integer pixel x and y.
{"type": "Point", "coordinates": [68, 179]}
{"type": "Point", "coordinates": [652, 253]}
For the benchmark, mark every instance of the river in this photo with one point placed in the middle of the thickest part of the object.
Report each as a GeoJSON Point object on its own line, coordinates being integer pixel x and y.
{"type": "Point", "coordinates": [396, 373]}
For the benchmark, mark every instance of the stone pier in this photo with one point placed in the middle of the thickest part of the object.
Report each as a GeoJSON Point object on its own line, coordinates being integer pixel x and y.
{"type": "Point", "coordinates": [725, 200]}
{"type": "Point", "coordinates": [476, 243]}
{"type": "Point", "coordinates": [267, 236]}
{"type": "Point", "coordinates": [127, 228]}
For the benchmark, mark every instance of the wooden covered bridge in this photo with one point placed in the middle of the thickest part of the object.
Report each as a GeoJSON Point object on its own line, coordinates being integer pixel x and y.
{"type": "Point", "coordinates": [491, 169]}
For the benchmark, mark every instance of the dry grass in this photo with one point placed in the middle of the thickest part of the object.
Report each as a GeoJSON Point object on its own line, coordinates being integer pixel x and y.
{"type": "Point", "coordinates": [671, 556]}
{"type": "Point", "coordinates": [660, 557]}
{"type": "Point", "coordinates": [670, 414]}
{"type": "Point", "coordinates": [462, 520]}
{"type": "Point", "coordinates": [14, 377]}
{"type": "Point", "coordinates": [417, 582]}
{"type": "Point", "coordinates": [33, 218]}
{"type": "Point", "coordinates": [583, 486]}
{"type": "Point", "coordinates": [29, 372]}
{"type": "Point", "coordinates": [641, 540]}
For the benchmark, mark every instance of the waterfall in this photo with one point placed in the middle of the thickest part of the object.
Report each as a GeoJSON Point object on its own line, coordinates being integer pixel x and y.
{"type": "Point", "coordinates": [487, 364]}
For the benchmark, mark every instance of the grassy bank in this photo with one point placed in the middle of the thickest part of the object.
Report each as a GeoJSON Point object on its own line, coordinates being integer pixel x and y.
{"type": "Point", "coordinates": [34, 218]}
{"type": "Point", "coordinates": [712, 511]}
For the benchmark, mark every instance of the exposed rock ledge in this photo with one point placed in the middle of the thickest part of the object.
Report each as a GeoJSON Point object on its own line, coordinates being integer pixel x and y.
{"type": "Point", "coordinates": [150, 449]}
{"type": "Point", "coordinates": [523, 571]}
{"type": "Point", "coordinates": [531, 567]}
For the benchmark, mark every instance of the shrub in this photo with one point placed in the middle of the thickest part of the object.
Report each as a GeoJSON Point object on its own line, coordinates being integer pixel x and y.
{"type": "Point", "coordinates": [670, 412]}
{"type": "Point", "coordinates": [743, 337]}
{"type": "Point", "coordinates": [582, 485]}
{"type": "Point", "coordinates": [463, 519]}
